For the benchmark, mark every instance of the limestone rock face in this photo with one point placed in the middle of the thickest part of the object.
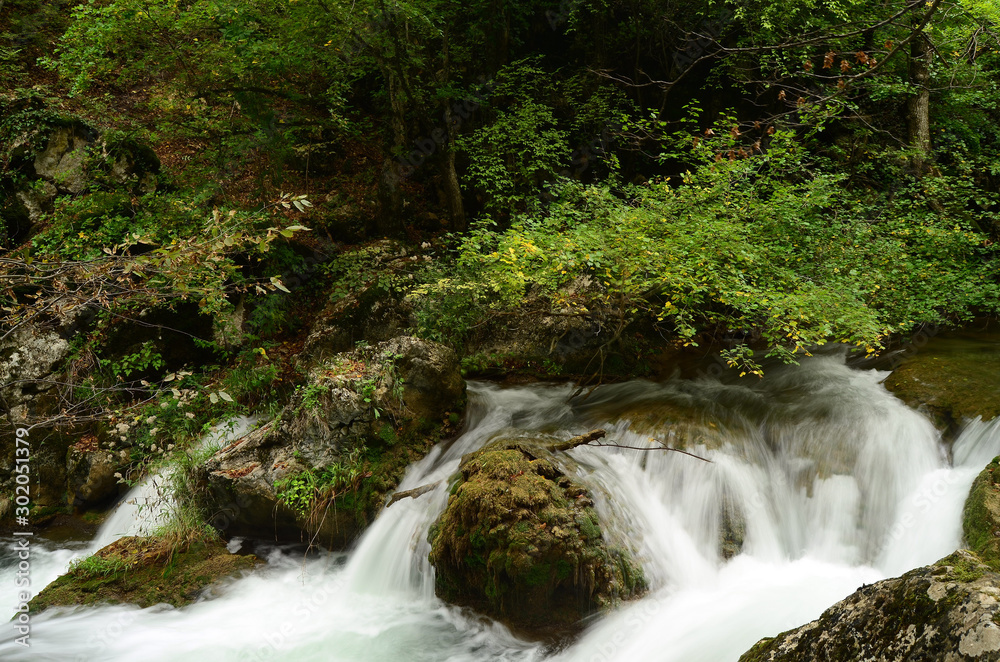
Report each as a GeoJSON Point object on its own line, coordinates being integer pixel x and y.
{"type": "Point", "coordinates": [90, 475]}
{"type": "Point", "coordinates": [521, 542]}
{"type": "Point", "coordinates": [61, 156]}
{"type": "Point", "coordinates": [62, 160]}
{"type": "Point", "coordinates": [27, 355]}
{"type": "Point", "coordinates": [31, 354]}
{"type": "Point", "coordinates": [323, 469]}
{"type": "Point", "coordinates": [946, 612]}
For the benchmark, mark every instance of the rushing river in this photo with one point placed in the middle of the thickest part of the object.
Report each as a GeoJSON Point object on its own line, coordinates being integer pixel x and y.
{"type": "Point", "coordinates": [836, 484]}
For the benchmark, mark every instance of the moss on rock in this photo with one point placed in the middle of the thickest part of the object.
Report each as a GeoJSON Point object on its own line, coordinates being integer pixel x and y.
{"type": "Point", "coordinates": [143, 572]}
{"type": "Point", "coordinates": [952, 378]}
{"type": "Point", "coordinates": [521, 542]}
{"type": "Point", "coordinates": [981, 517]}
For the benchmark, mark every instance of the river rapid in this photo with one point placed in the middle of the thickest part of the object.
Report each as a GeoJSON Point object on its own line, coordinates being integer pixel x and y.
{"type": "Point", "coordinates": [832, 481]}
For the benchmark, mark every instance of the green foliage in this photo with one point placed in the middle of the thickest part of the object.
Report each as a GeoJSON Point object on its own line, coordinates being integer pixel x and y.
{"type": "Point", "coordinates": [772, 246]}
{"type": "Point", "coordinates": [94, 566]}
{"type": "Point", "coordinates": [523, 147]}
{"type": "Point", "coordinates": [379, 269]}
{"type": "Point", "coordinates": [253, 380]}
{"type": "Point", "coordinates": [307, 490]}
{"type": "Point", "coordinates": [145, 359]}
{"type": "Point", "coordinates": [310, 395]}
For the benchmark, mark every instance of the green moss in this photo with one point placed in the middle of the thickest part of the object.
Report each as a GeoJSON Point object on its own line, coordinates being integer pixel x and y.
{"type": "Point", "coordinates": [515, 544]}
{"type": "Point", "coordinates": [966, 570]}
{"type": "Point", "coordinates": [759, 651]}
{"type": "Point", "coordinates": [539, 574]}
{"type": "Point", "coordinates": [953, 377]}
{"type": "Point", "coordinates": [980, 517]}
{"type": "Point", "coordinates": [388, 434]}
{"type": "Point", "coordinates": [144, 572]}
{"type": "Point", "coordinates": [588, 525]}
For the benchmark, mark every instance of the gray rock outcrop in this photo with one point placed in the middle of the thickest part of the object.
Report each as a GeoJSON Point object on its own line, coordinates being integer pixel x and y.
{"type": "Point", "coordinates": [323, 469]}
{"type": "Point", "coordinates": [946, 612]}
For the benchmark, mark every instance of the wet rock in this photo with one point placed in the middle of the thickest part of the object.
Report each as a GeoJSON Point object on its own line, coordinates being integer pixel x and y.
{"type": "Point", "coordinates": [521, 542]}
{"type": "Point", "coordinates": [90, 476]}
{"type": "Point", "coordinates": [947, 612]}
{"type": "Point", "coordinates": [950, 377]}
{"type": "Point", "coordinates": [326, 466]}
{"type": "Point", "coordinates": [144, 572]}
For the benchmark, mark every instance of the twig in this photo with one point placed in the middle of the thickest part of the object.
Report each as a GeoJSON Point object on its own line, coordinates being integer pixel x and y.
{"type": "Point", "coordinates": [663, 447]}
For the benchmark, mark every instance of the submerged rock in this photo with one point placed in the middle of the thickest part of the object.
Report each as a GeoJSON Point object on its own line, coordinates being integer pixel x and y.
{"type": "Point", "coordinates": [951, 377]}
{"type": "Point", "coordinates": [521, 542]}
{"type": "Point", "coordinates": [323, 470]}
{"type": "Point", "coordinates": [144, 572]}
{"type": "Point", "coordinates": [947, 612]}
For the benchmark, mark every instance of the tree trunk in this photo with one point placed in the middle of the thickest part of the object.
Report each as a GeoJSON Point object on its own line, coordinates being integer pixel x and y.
{"type": "Point", "coordinates": [918, 111]}
{"type": "Point", "coordinates": [452, 190]}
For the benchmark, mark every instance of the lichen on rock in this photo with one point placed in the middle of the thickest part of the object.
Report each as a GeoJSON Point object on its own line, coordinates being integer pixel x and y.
{"type": "Point", "coordinates": [521, 542]}
{"type": "Point", "coordinates": [948, 611]}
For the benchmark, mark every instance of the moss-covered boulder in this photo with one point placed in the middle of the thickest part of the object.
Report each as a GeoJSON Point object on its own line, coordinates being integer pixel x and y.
{"type": "Point", "coordinates": [521, 542]}
{"type": "Point", "coordinates": [323, 470]}
{"type": "Point", "coordinates": [981, 517]}
{"type": "Point", "coordinates": [144, 572]}
{"type": "Point", "coordinates": [948, 611]}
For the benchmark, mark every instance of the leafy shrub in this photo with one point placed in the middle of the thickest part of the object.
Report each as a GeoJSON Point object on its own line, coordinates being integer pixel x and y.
{"type": "Point", "coordinates": [772, 247]}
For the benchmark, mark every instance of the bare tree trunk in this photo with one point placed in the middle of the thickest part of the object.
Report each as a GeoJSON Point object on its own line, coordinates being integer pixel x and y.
{"type": "Point", "coordinates": [918, 111]}
{"type": "Point", "coordinates": [452, 190]}
{"type": "Point", "coordinates": [389, 217]}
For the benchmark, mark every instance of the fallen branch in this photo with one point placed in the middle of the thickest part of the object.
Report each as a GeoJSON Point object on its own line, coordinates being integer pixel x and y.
{"type": "Point", "coordinates": [412, 494]}
{"type": "Point", "coordinates": [663, 447]}
{"type": "Point", "coordinates": [579, 440]}
{"type": "Point", "coordinates": [569, 444]}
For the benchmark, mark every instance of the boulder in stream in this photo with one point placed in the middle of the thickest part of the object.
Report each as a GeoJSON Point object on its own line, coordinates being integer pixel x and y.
{"type": "Point", "coordinates": [946, 612]}
{"type": "Point", "coordinates": [144, 572]}
{"type": "Point", "coordinates": [521, 542]}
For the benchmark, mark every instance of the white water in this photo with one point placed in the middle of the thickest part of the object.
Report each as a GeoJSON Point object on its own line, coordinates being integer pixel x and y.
{"type": "Point", "coordinates": [144, 508]}
{"type": "Point", "coordinates": [839, 485]}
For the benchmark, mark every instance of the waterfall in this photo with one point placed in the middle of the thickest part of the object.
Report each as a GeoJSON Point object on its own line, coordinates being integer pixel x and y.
{"type": "Point", "coordinates": [148, 504]}
{"type": "Point", "coordinates": [145, 507]}
{"type": "Point", "coordinates": [824, 480]}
